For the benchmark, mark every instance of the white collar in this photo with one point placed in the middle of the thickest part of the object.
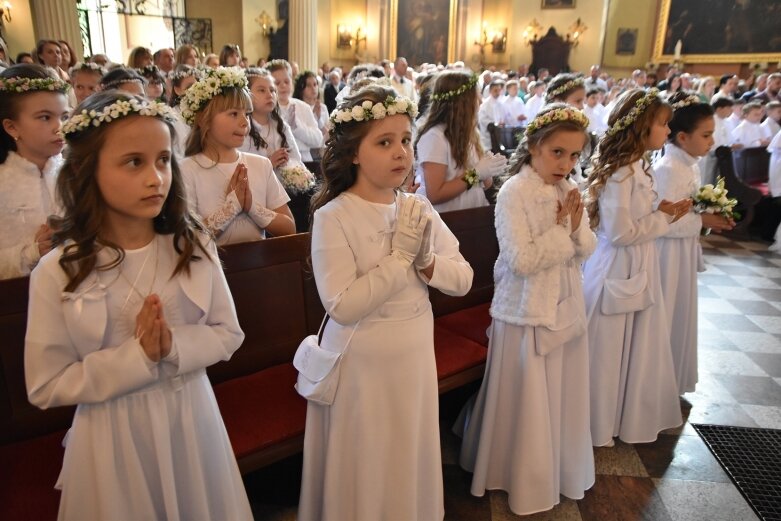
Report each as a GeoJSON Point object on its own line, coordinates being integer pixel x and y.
{"type": "Point", "coordinates": [677, 153]}
{"type": "Point", "coordinates": [16, 162]}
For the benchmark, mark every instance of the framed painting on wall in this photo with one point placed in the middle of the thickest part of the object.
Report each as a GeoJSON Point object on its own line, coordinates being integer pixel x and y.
{"type": "Point", "coordinates": [558, 4]}
{"type": "Point", "coordinates": [718, 31]}
{"type": "Point", "coordinates": [424, 31]}
{"type": "Point", "coordinates": [626, 41]}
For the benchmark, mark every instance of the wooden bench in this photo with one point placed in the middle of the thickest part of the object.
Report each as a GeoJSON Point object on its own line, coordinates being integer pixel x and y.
{"type": "Point", "coordinates": [277, 305]}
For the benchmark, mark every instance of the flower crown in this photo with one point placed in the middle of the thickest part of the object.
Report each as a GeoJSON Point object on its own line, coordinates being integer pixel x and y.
{"type": "Point", "coordinates": [211, 84]}
{"type": "Point", "coordinates": [368, 110]}
{"type": "Point", "coordinates": [570, 85]}
{"type": "Point", "coordinates": [21, 85]}
{"type": "Point", "coordinates": [446, 96]}
{"type": "Point", "coordinates": [685, 102]}
{"type": "Point", "coordinates": [119, 109]}
{"type": "Point", "coordinates": [562, 114]}
{"type": "Point", "coordinates": [641, 104]}
{"type": "Point", "coordinates": [148, 70]}
{"type": "Point", "coordinates": [177, 75]}
{"type": "Point", "coordinates": [87, 66]}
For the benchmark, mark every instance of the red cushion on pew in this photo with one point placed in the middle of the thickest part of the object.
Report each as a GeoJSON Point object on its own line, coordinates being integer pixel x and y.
{"type": "Point", "coordinates": [455, 353]}
{"type": "Point", "coordinates": [261, 409]}
{"type": "Point", "coordinates": [28, 472]}
{"type": "Point", "coordinates": [471, 323]}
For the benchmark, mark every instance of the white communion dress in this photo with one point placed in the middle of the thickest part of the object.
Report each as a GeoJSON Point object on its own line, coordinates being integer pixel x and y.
{"type": "Point", "coordinates": [633, 389]}
{"type": "Point", "coordinates": [374, 453]}
{"type": "Point", "coordinates": [677, 176]}
{"type": "Point", "coordinates": [147, 440]}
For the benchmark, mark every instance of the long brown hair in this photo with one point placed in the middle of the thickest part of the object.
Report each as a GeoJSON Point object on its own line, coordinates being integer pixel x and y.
{"type": "Point", "coordinates": [623, 147]}
{"type": "Point", "coordinates": [253, 73]}
{"type": "Point", "coordinates": [458, 113]}
{"type": "Point", "coordinates": [84, 208]}
{"type": "Point", "coordinates": [339, 171]}
{"type": "Point", "coordinates": [229, 98]}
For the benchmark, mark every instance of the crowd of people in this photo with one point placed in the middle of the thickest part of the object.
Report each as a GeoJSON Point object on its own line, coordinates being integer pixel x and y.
{"type": "Point", "coordinates": [117, 184]}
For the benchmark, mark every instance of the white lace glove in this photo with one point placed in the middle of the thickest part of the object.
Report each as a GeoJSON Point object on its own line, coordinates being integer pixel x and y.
{"type": "Point", "coordinates": [411, 221]}
{"type": "Point", "coordinates": [261, 215]}
{"type": "Point", "coordinates": [491, 165]}
{"type": "Point", "coordinates": [426, 252]}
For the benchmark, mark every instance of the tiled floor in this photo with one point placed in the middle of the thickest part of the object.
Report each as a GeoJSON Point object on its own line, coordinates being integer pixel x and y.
{"type": "Point", "coordinates": [676, 478]}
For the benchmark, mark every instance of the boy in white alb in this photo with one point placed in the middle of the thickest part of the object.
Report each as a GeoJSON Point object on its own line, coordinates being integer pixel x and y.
{"type": "Point", "coordinates": [514, 110]}
{"type": "Point", "coordinates": [537, 99]}
{"type": "Point", "coordinates": [771, 123]}
{"type": "Point", "coordinates": [749, 132]}
{"type": "Point", "coordinates": [490, 112]}
{"type": "Point", "coordinates": [595, 111]}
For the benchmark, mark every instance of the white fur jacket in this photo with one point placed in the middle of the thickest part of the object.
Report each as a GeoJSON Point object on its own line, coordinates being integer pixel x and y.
{"type": "Point", "coordinates": [533, 248]}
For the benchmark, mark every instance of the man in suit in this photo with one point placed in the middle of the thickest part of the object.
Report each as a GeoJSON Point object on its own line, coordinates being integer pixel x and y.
{"type": "Point", "coordinates": [332, 88]}
{"type": "Point", "coordinates": [399, 79]}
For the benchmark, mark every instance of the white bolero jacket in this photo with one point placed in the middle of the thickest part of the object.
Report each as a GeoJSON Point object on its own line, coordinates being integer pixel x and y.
{"type": "Point", "coordinates": [66, 362]}
{"type": "Point", "coordinates": [677, 176]}
{"type": "Point", "coordinates": [533, 249]}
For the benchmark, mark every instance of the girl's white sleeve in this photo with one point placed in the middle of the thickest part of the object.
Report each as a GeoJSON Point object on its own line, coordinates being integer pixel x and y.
{"type": "Point", "coordinates": [306, 130]}
{"type": "Point", "coordinates": [617, 221]}
{"type": "Point", "coordinates": [218, 220]}
{"type": "Point", "coordinates": [671, 184]}
{"type": "Point", "coordinates": [294, 154]}
{"type": "Point", "coordinates": [19, 259]}
{"type": "Point", "coordinates": [346, 296]}
{"type": "Point", "coordinates": [523, 253]}
{"type": "Point", "coordinates": [452, 273]}
{"type": "Point", "coordinates": [217, 336]}
{"type": "Point", "coordinates": [55, 372]}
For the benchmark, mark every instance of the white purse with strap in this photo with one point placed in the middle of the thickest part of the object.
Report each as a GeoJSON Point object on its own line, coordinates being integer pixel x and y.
{"type": "Point", "coordinates": [318, 368]}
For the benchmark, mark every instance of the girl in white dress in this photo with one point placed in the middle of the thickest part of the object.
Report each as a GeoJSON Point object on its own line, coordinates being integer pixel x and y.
{"type": "Point", "coordinates": [269, 135]}
{"type": "Point", "coordinates": [32, 106]}
{"type": "Point", "coordinates": [237, 194]}
{"type": "Point", "coordinates": [528, 431]}
{"type": "Point", "coordinates": [677, 176]}
{"type": "Point", "coordinates": [124, 319]}
{"type": "Point", "coordinates": [182, 78]}
{"type": "Point", "coordinates": [374, 453]}
{"type": "Point", "coordinates": [452, 167]}
{"type": "Point", "coordinates": [633, 389]}
{"type": "Point", "coordinates": [296, 113]}
{"type": "Point", "coordinates": [567, 88]}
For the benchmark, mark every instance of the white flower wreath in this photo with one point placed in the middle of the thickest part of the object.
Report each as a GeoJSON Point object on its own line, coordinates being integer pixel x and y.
{"type": "Point", "coordinates": [119, 109]}
{"type": "Point", "coordinates": [368, 110]}
{"type": "Point", "coordinates": [211, 84]}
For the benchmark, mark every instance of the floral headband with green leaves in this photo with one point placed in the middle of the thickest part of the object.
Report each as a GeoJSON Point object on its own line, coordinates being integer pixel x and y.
{"type": "Point", "coordinates": [211, 84]}
{"type": "Point", "coordinates": [641, 105]}
{"type": "Point", "coordinates": [447, 96]}
{"type": "Point", "coordinates": [119, 109]}
{"type": "Point", "coordinates": [685, 102]}
{"type": "Point", "coordinates": [570, 85]}
{"type": "Point", "coordinates": [562, 114]}
{"type": "Point", "coordinates": [19, 85]}
{"type": "Point", "coordinates": [369, 111]}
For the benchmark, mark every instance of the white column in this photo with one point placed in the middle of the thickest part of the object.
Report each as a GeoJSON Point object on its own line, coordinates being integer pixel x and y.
{"type": "Point", "coordinates": [302, 42]}
{"type": "Point", "coordinates": [57, 20]}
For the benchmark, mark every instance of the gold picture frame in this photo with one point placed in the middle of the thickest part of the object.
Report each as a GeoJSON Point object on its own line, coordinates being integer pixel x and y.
{"type": "Point", "coordinates": [661, 34]}
{"type": "Point", "coordinates": [395, 30]}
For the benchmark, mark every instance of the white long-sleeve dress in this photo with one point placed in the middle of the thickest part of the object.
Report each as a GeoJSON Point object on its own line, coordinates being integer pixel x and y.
{"type": "Point", "coordinates": [26, 200]}
{"type": "Point", "coordinates": [677, 177]}
{"type": "Point", "coordinates": [273, 141]}
{"type": "Point", "coordinates": [633, 389]}
{"type": "Point", "coordinates": [305, 130]}
{"type": "Point", "coordinates": [374, 453]}
{"type": "Point", "coordinates": [147, 440]}
{"type": "Point", "coordinates": [528, 432]}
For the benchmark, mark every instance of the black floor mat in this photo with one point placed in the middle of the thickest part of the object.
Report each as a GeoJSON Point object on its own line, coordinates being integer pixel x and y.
{"type": "Point", "coordinates": [752, 458]}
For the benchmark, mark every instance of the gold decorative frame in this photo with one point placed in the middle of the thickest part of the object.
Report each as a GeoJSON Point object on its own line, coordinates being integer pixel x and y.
{"type": "Point", "coordinates": [451, 31]}
{"type": "Point", "coordinates": [661, 28]}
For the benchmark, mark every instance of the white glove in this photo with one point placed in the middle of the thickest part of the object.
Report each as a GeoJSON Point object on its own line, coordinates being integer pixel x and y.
{"type": "Point", "coordinates": [491, 165]}
{"type": "Point", "coordinates": [426, 252]}
{"type": "Point", "coordinates": [411, 221]}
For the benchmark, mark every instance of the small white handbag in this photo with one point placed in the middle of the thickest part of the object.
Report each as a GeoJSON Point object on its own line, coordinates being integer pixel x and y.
{"type": "Point", "coordinates": [318, 368]}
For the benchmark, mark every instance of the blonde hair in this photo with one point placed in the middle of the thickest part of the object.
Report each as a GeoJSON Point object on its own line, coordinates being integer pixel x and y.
{"type": "Point", "coordinates": [459, 114]}
{"type": "Point", "coordinates": [622, 148]}
{"type": "Point", "coordinates": [230, 98]}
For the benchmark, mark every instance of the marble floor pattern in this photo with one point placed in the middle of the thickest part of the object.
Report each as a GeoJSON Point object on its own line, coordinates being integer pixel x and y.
{"type": "Point", "coordinates": [675, 478]}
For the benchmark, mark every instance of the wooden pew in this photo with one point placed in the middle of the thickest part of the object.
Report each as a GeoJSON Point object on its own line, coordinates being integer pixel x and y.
{"type": "Point", "coordinates": [277, 305]}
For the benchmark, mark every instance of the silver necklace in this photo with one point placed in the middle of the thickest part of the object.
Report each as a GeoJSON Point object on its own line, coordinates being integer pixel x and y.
{"type": "Point", "coordinates": [133, 287]}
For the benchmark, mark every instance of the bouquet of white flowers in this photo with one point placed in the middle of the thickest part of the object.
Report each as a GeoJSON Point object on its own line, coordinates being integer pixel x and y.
{"type": "Point", "coordinates": [713, 199]}
{"type": "Point", "coordinates": [296, 178]}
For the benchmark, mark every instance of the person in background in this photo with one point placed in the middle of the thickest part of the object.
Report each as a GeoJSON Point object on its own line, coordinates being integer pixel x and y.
{"type": "Point", "coordinates": [490, 112]}
{"type": "Point", "coordinates": [595, 111]}
{"type": "Point", "coordinates": [536, 99]}
{"type": "Point", "coordinates": [186, 55]}
{"type": "Point", "coordinates": [705, 88]}
{"type": "Point", "coordinates": [306, 89]}
{"type": "Point", "coordinates": [49, 53]}
{"type": "Point", "coordinates": [24, 57]}
{"type": "Point", "coordinates": [155, 87]}
{"type": "Point", "coordinates": [212, 61]}
{"type": "Point", "coordinates": [750, 133]}
{"type": "Point", "coordinates": [100, 59]}
{"type": "Point", "coordinates": [164, 59]}
{"type": "Point", "coordinates": [772, 122]}
{"type": "Point", "coordinates": [332, 88]}
{"type": "Point", "coordinates": [85, 80]}
{"type": "Point", "coordinates": [230, 56]}
{"type": "Point", "coordinates": [124, 79]}
{"type": "Point", "coordinates": [728, 85]}
{"type": "Point", "coordinates": [513, 108]}
{"type": "Point", "coordinates": [69, 57]}
{"type": "Point", "coordinates": [139, 58]}
{"type": "Point", "coordinates": [772, 92]}
{"type": "Point", "coordinates": [399, 79]}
